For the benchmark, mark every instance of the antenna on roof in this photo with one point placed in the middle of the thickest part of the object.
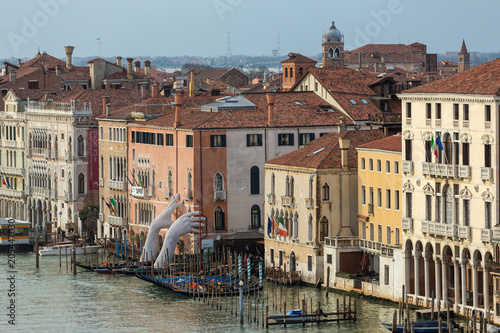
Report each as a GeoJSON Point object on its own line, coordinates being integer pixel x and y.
{"type": "Point", "coordinates": [99, 43]}
{"type": "Point", "coordinates": [228, 52]}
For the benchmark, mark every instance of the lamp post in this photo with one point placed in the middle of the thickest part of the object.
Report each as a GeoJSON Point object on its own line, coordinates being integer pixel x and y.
{"type": "Point", "coordinates": [241, 301]}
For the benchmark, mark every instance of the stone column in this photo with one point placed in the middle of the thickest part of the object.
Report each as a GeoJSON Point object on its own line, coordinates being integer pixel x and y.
{"type": "Point", "coordinates": [486, 288]}
{"type": "Point", "coordinates": [444, 265]}
{"type": "Point", "coordinates": [457, 286]}
{"type": "Point", "coordinates": [463, 266]}
{"type": "Point", "coordinates": [437, 278]}
{"type": "Point", "coordinates": [426, 272]}
{"type": "Point", "coordinates": [417, 274]}
{"type": "Point", "coordinates": [406, 258]}
{"type": "Point", "coordinates": [475, 286]}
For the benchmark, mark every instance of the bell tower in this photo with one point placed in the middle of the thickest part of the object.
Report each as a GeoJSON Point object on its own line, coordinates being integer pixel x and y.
{"type": "Point", "coordinates": [463, 59]}
{"type": "Point", "coordinates": [333, 48]}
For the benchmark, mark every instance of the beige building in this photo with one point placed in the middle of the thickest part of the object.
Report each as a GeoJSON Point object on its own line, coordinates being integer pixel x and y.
{"type": "Point", "coordinates": [451, 198]}
{"type": "Point", "coordinates": [313, 191]}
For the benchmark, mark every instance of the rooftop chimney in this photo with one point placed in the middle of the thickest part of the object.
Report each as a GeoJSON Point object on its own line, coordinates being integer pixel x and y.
{"type": "Point", "coordinates": [344, 152]}
{"type": "Point", "coordinates": [105, 105]}
{"type": "Point", "coordinates": [118, 61]}
{"type": "Point", "coordinates": [137, 66]}
{"type": "Point", "coordinates": [155, 90]}
{"type": "Point", "coordinates": [69, 56]}
{"type": "Point", "coordinates": [130, 75]}
{"type": "Point", "coordinates": [360, 61]}
{"type": "Point", "coordinates": [143, 92]}
{"type": "Point", "coordinates": [19, 63]}
{"type": "Point", "coordinates": [12, 76]}
{"type": "Point", "coordinates": [342, 126]}
{"type": "Point", "coordinates": [58, 70]}
{"type": "Point", "coordinates": [179, 99]}
{"type": "Point", "coordinates": [147, 68]}
{"type": "Point", "coordinates": [271, 99]}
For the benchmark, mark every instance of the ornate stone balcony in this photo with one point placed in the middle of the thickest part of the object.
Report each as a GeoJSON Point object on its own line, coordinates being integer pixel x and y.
{"type": "Point", "coordinates": [486, 235]}
{"type": "Point", "coordinates": [220, 195]}
{"type": "Point", "coordinates": [271, 199]}
{"type": "Point", "coordinates": [117, 185]}
{"type": "Point", "coordinates": [309, 203]}
{"type": "Point", "coordinates": [11, 193]}
{"type": "Point", "coordinates": [464, 171]}
{"type": "Point", "coordinates": [440, 229]}
{"type": "Point", "coordinates": [68, 196]}
{"type": "Point", "coordinates": [464, 232]}
{"type": "Point", "coordinates": [286, 201]}
{"type": "Point", "coordinates": [117, 221]}
{"type": "Point", "coordinates": [407, 166]}
{"type": "Point", "coordinates": [486, 174]}
{"type": "Point", "coordinates": [14, 171]}
{"type": "Point", "coordinates": [440, 170]}
{"type": "Point", "coordinates": [407, 224]}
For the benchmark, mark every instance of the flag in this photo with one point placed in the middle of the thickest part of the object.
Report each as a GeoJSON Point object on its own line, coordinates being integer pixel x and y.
{"type": "Point", "coordinates": [133, 178]}
{"type": "Point", "coordinates": [275, 225]}
{"type": "Point", "coordinates": [140, 181]}
{"type": "Point", "coordinates": [112, 201]}
{"type": "Point", "coordinates": [111, 209]}
{"type": "Point", "coordinates": [434, 150]}
{"type": "Point", "coordinates": [131, 184]}
{"type": "Point", "coordinates": [281, 228]}
{"type": "Point", "coordinates": [440, 144]}
{"type": "Point", "coordinates": [3, 180]}
{"type": "Point", "coordinates": [269, 226]}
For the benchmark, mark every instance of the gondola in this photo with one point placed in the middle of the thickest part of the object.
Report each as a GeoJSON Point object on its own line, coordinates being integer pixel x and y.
{"type": "Point", "coordinates": [424, 326]}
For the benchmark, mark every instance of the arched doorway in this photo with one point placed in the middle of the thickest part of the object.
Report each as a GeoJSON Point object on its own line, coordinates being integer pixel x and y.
{"type": "Point", "coordinates": [293, 263]}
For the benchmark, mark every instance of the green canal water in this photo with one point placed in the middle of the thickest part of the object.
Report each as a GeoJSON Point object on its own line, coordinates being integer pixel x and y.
{"type": "Point", "coordinates": [51, 299]}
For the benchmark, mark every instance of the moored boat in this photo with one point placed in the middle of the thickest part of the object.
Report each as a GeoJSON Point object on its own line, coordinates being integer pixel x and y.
{"type": "Point", "coordinates": [80, 250]}
{"type": "Point", "coordinates": [292, 316]}
{"type": "Point", "coordinates": [424, 326]}
{"type": "Point", "coordinates": [14, 236]}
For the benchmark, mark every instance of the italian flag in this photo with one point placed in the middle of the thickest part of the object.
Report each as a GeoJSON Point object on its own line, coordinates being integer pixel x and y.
{"type": "Point", "coordinates": [434, 150]}
{"type": "Point", "coordinates": [281, 228]}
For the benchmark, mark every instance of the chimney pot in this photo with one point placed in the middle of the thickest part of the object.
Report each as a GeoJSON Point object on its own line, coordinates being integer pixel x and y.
{"type": "Point", "coordinates": [147, 68]}
{"type": "Point", "coordinates": [19, 63]}
{"type": "Point", "coordinates": [105, 105]}
{"type": "Point", "coordinates": [179, 100]}
{"type": "Point", "coordinates": [69, 56]}
{"type": "Point", "coordinates": [118, 61]}
{"type": "Point", "coordinates": [130, 75]}
{"type": "Point", "coordinates": [271, 99]}
{"type": "Point", "coordinates": [155, 90]}
{"type": "Point", "coordinates": [137, 66]}
{"type": "Point", "coordinates": [344, 151]}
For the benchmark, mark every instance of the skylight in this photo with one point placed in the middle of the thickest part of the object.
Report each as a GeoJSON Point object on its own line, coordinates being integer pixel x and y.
{"type": "Point", "coordinates": [364, 101]}
{"type": "Point", "coordinates": [300, 103]}
{"type": "Point", "coordinates": [353, 102]}
{"type": "Point", "coordinates": [317, 151]}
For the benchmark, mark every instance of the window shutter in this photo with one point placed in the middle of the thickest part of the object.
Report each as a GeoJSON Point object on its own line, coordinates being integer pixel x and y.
{"type": "Point", "coordinates": [291, 140]}
{"type": "Point", "coordinates": [259, 139]}
{"type": "Point", "coordinates": [313, 136]}
{"type": "Point", "coordinates": [211, 140]}
{"type": "Point", "coordinates": [223, 220]}
{"type": "Point", "coordinates": [223, 140]}
{"type": "Point", "coordinates": [280, 139]}
{"type": "Point", "coordinates": [301, 139]}
{"type": "Point", "coordinates": [248, 140]}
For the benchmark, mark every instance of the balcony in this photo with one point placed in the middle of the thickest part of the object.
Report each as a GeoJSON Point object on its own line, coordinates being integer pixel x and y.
{"type": "Point", "coordinates": [101, 217]}
{"type": "Point", "coordinates": [68, 196]}
{"type": "Point", "coordinates": [486, 174]}
{"type": "Point", "coordinates": [220, 196]}
{"type": "Point", "coordinates": [464, 233]}
{"type": "Point", "coordinates": [377, 247]}
{"type": "Point", "coordinates": [117, 185]}
{"type": "Point", "coordinates": [68, 156]}
{"type": "Point", "coordinates": [440, 170]}
{"type": "Point", "coordinates": [138, 192]}
{"type": "Point", "coordinates": [11, 193]}
{"type": "Point", "coordinates": [36, 151]}
{"type": "Point", "coordinates": [188, 194]}
{"type": "Point", "coordinates": [286, 201]}
{"type": "Point", "coordinates": [101, 182]}
{"type": "Point", "coordinates": [53, 154]}
{"type": "Point", "coordinates": [14, 171]}
{"type": "Point", "coordinates": [440, 229]}
{"type": "Point", "coordinates": [309, 203]}
{"type": "Point", "coordinates": [117, 221]}
{"type": "Point", "coordinates": [167, 193]}
{"type": "Point", "coordinates": [10, 143]}
{"type": "Point", "coordinates": [496, 233]}
{"type": "Point", "coordinates": [486, 235]}
{"type": "Point", "coordinates": [271, 199]}
{"type": "Point", "coordinates": [342, 241]}
{"type": "Point", "coordinates": [407, 224]}
{"type": "Point", "coordinates": [463, 171]}
{"type": "Point", "coordinates": [407, 166]}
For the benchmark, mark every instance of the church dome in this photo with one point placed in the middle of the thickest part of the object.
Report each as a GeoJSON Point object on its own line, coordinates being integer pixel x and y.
{"type": "Point", "coordinates": [332, 35]}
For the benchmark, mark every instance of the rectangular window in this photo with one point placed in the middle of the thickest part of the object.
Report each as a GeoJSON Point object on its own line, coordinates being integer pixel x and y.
{"type": "Point", "coordinates": [169, 139]}
{"type": "Point", "coordinates": [305, 138]}
{"type": "Point", "coordinates": [388, 198]}
{"type": "Point", "coordinates": [466, 112]}
{"type": "Point", "coordinates": [466, 213]}
{"type": "Point", "coordinates": [409, 204]}
{"type": "Point", "coordinates": [428, 111]}
{"type": "Point", "coordinates": [487, 215]}
{"type": "Point", "coordinates": [455, 112]}
{"type": "Point", "coordinates": [363, 230]}
{"type": "Point", "coordinates": [217, 140]}
{"type": "Point", "coordinates": [386, 275]}
{"type": "Point", "coordinates": [254, 140]}
{"type": "Point", "coordinates": [280, 258]}
{"type": "Point", "coordinates": [379, 166]}
{"type": "Point", "coordinates": [379, 233]}
{"type": "Point", "coordinates": [396, 167]}
{"type": "Point", "coordinates": [388, 235]}
{"type": "Point", "coordinates": [487, 156]}
{"type": "Point", "coordinates": [428, 207]}
{"type": "Point", "coordinates": [271, 256]}
{"type": "Point", "coordinates": [159, 139]}
{"type": "Point", "coordinates": [309, 263]}
{"type": "Point", "coordinates": [438, 111]}
{"type": "Point", "coordinates": [408, 110]}
{"type": "Point", "coordinates": [387, 166]}
{"type": "Point", "coordinates": [62, 173]}
{"type": "Point", "coordinates": [379, 197]}
{"type": "Point", "coordinates": [363, 163]}
{"type": "Point", "coordinates": [428, 152]}
{"type": "Point", "coordinates": [372, 232]}
{"type": "Point", "coordinates": [189, 140]}
{"type": "Point", "coordinates": [328, 258]}
{"type": "Point", "coordinates": [408, 152]}
{"type": "Point", "coordinates": [285, 139]}
{"type": "Point", "coordinates": [487, 113]}
{"type": "Point", "coordinates": [370, 164]}
{"type": "Point", "coordinates": [133, 137]}
{"type": "Point", "coordinates": [465, 153]}
{"type": "Point", "coordinates": [396, 236]}
{"type": "Point", "coordinates": [33, 85]}
{"type": "Point", "coordinates": [363, 195]}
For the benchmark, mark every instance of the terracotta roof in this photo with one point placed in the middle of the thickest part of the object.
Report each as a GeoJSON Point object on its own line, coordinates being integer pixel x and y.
{"type": "Point", "coordinates": [123, 76]}
{"type": "Point", "coordinates": [344, 80]}
{"type": "Point", "coordinates": [392, 143]}
{"type": "Point", "coordinates": [479, 80]}
{"type": "Point", "coordinates": [24, 94]}
{"type": "Point", "coordinates": [325, 153]}
{"type": "Point", "coordinates": [213, 74]}
{"type": "Point", "coordinates": [297, 58]}
{"type": "Point", "coordinates": [392, 53]}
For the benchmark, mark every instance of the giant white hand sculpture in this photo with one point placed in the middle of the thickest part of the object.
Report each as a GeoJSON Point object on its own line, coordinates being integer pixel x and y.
{"type": "Point", "coordinates": [164, 220]}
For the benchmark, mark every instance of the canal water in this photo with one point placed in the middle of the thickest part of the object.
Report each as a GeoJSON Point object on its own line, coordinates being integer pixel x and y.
{"type": "Point", "coordinates": [51, 299]}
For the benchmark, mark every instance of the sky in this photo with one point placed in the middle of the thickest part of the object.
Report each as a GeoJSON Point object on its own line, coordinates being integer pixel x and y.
{"type": "Point", "coordinates": [132, 28]}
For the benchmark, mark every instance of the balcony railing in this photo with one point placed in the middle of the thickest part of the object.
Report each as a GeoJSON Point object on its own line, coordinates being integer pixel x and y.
{"type": "Point", "coordinates": [118, 221]}
{"type": "Point", "coordinates": [68, 196]}
{"type": "Point", "coordinates": [440, 229]}
{"type": "Point", "coordinates": [117, 185]}
{"type": "Point", "coordinates": [486, 174]}
{"type": "Point", "coordinates": [440, 170]}
{"type": "Point", "coordinates": [138, 192]}
{"type": "Point", "coordinates": [309, 203]}
{"type": "Point", "coordinates": [101, 217]}
{"type": "Point", "coordinates": [14, 171]}
{"type": "Point", "coordinates": [68, 155]}
{"type": "Point", "coordinates": [286, 201]}
{"type": "Point", "coordinates": [464, 171]}
{"type": "Point", "coordinates": [220, 195]}
{"type": "Point", "coordinates": [496, 233]}
{"type": "Point", "coordinates": [407, 166]}
{"type": "Point", "coordinates": [346, 241]}
{"type": "Point", "coordinates": [10, 143]}
{"type": "Point", "coordinates": [101, 182]}
{"type": "Point", "coordinates": [11, 193]}
{"type": "Point", "coordinates": [271, 199]}
{"type": "Point", "coordinates": [407, 224]}
{"type": "Point", "coordinates": [486, 235]}
{"type": "Point", "coordinates": [167, 193]}
{"type": "Point", "coordinates": [464, 232]}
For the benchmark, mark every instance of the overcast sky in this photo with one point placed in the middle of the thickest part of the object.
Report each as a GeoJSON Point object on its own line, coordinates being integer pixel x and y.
{"type": "Point", "coordinates": [200, 27]}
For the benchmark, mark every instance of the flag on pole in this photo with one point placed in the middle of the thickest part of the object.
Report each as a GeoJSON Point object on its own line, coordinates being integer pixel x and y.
{"type": "Point", "coordinates": [269, 226]}
{"type": "Point", "coordinates": [275, 226]}
{"type": "Point", "coordinates": [7, 180]}
{"type": "Point", "coordinates": [111, 209]}
{"type": "Point", "coordinates": [140, 181]}
{"type": "Point", "coordinates": [438, 141]}
{"type": "Point", "coordinates": [434, 150]}
{"type": "Point", "coordinates": [281, 228]}
{"type": "Point", "coordinates": [112, 201]}
{"type": "Point", "coordinates": [3, 181]}
{"type": "Point", "coordinates": [131, 184]}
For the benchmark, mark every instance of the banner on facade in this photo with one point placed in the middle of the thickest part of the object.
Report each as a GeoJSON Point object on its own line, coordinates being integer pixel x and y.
{"type": "Point", "coordinates": [93, 159]}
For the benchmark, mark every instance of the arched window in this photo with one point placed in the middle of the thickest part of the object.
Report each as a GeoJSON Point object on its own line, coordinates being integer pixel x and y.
{"type": "Point", "coordinates": [287, 186]}
{"type": "Point", "coordinates": [80, 146]}
{"type": "Point", "coordinates": [81, 184]}
{"type": "Point", "coordinates": [218, 182]}
{"type": "Point", "coordinates": [295, 225]}
{"type": "Point", "coordinates": [101, 133]}
{"type": "Point", "coordinates": [291, 72]}
{"type": "Point", "coordinates": [255, 217]}
{"type": "Point", "coordinates": [323, 229]}
{"type": "Point", "coordinates": [286, 71]}
{"type": "Point", "coordinates": [109, 134]}
{"type": "Point", "coordinates": [189, 194]}
{"type": "Point", "coordinates": [254, 180]}
{"type": "Point", "coordinates": [337, 53]}
{"type": "Point", "coordinates": [290, 187]}
{"type": "Point", "coordinates": [169, 183]}
{"type": "Point", "coordinates": [219, 218]}
{"type": "Point", "coordinates": [325, 192]}
{"type": "Point", "coordinates": [448, 150]}
{"type": "Point", "coordinates": [448, 205]}
{"type": "Point", "coordinates": [311, 180]}
{"type": "Point", "coordinates": [310, 228]}
{"type": "Point", "coordinates": [273, 181]}
{"type": "Point", "coordinates": [330, 53]}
